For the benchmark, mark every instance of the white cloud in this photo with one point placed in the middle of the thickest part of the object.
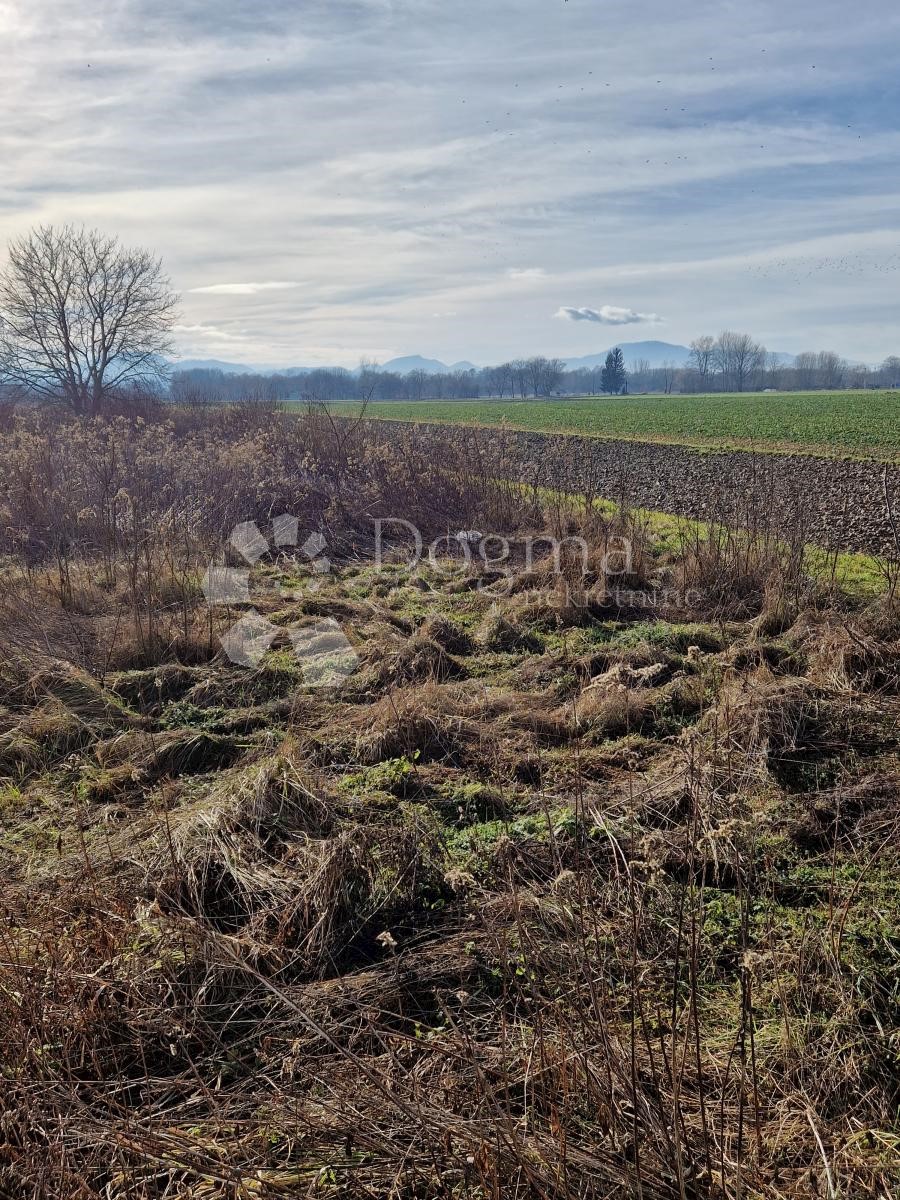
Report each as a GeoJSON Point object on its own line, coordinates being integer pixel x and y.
{"type": "Point", "coordinates": [526, 273]}
{"type": "Point", "coordinates": [205, 332]}
{"type": "Point", "coordinates": [608, 314]}
{"type": "Point", "coordinates": [241, 289]}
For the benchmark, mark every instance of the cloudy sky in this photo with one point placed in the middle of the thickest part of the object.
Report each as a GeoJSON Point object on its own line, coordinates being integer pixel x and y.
{"type": "Point", "coordinates": [332, 179]}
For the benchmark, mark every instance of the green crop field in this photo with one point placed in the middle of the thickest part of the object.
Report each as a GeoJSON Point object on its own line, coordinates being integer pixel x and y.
{"type": "Point", "coordinates": [865, 424]}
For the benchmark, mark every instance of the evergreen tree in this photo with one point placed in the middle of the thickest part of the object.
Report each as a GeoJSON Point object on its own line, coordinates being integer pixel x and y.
{"type": "Point", "coordinates": [612, 378]}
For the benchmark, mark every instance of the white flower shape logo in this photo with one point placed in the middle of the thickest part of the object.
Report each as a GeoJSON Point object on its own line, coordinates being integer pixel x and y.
{"type": "Point", "coordinates": [320, 646]}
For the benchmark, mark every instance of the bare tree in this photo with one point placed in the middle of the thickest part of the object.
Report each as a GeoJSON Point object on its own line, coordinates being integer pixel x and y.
{"type": "Point", "coordinates": [552, 371]}
{"type": "Point", "coordinates": [81, 316]}
{"type": "Point", "coordinates": [819, 369]}
{"type": "Point", "coordinates": [520, 374]}
{"type": "Point", "coordinates": [860, 376]}
{"type": "Point", "coordinates": [499, 379]}
{"type": "Point", "coordinates": [736, 357]}
{"type": "Point", "coordinates": [417, 384]}
{"type": "Point", "coordinates": [770, 369]}
{"type": "Point", "coordinates": [535, 370]}
{"type": "Point", "coordinates": [702, 349]}
{"type": "Point", "coordinates": [890, 372]}
{"type": "Point", "coordinates": [370, 378]}
{"type": "Point", "coordinates": [639, 372]}
{"type": "Point", "coordinates": [805, 369]}
{"type": "Point", "coordinates": [832, 369]}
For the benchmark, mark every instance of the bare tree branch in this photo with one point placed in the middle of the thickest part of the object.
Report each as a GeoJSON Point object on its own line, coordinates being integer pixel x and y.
{"type": "Point", "coordinates": [81, 316]}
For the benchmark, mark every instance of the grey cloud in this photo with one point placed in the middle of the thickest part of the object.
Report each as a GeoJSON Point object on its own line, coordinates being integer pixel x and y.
{"type": "Point", "coordinates": [608, 314]}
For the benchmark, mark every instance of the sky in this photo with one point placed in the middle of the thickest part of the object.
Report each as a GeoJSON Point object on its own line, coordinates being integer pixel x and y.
{"type": "Point", "coordinates": [333, 180]}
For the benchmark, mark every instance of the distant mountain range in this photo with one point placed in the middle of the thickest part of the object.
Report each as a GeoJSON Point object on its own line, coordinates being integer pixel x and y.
{"type": "Point", "coordinates": [656, 354]}
{"type": "Point", "coordinates": [400, 366]}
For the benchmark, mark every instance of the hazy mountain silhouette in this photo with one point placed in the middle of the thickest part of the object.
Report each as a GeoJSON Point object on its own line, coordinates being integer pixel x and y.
{"type": "Point", "coordinates": [213, 364]}
{"type": "Point", "coordinates": [431, 366]}
{"type": "Point", "coordinates": [656, 354]}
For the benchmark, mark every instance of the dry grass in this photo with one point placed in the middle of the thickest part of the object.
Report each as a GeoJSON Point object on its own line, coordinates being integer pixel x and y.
{"type": "Point", "coordinates": [549, 902]}
{"type": "Point", "coordinates": [415, 659]}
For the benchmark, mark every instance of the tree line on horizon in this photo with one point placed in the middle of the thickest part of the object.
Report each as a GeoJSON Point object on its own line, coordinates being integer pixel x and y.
{"type": "Point", "coordinates": [87, 322]}
{"type": "Point", "coordinates": [723, 364]}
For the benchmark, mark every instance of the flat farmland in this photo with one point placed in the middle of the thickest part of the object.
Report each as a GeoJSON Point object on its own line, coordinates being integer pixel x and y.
{"type": "Point", "coordinates": [859, 424]}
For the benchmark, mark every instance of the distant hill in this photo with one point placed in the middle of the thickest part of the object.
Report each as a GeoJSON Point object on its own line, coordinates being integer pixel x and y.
{"type": "Point", "coordinates": [399, 366]}
{"type": "Point", "coordinates": [657, 354]}
{"type": "Point", "coordinates": [213, 364]}
{"type": "Point", "coordinates": [415, 362]}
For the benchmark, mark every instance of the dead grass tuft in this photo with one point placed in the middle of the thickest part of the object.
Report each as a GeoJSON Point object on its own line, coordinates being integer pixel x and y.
{"type": "Point", "coordinates": [497, 632]}
{"type": "Point", "coordinates": [219, 854]}
{"type": "Point", "coordinates": [448, 635]}
{"type": "Point", "coordinates": [846, 658]}
{"type": "Point", "coordinates": [614, 711]}
{"type": "Point", "coordinates": [169, 753]}
{"type": "Point", "coordinates": [430, 722]}
{"type": "Point", "coordinates": [416, 659]}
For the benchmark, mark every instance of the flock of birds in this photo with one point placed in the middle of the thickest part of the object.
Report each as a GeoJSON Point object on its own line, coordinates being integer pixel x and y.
{"type": "Point", "coordinates": [499, 127]}
{"type": "Point", "coordinates": [787, 268]}
{"type": "Point", "coordinates": [678, 115]}
{"type": "Point", "coordinates": [799, 268]}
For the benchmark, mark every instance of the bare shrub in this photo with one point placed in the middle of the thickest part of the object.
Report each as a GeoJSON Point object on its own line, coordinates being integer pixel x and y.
{"type": "Point", "coordinates": [582, 905]}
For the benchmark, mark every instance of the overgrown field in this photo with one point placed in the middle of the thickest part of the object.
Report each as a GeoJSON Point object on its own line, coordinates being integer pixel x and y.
{"type": "Point", "coordinates": [579, 879]}
{"type": "Point", "coordinates": [854, 423]}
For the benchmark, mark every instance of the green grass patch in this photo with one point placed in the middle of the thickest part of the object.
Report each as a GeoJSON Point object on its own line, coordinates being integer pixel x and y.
{"type": "Point", "coordinates": [861, 575]}
{"type": "Point", "coordinates": [858, 424]}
